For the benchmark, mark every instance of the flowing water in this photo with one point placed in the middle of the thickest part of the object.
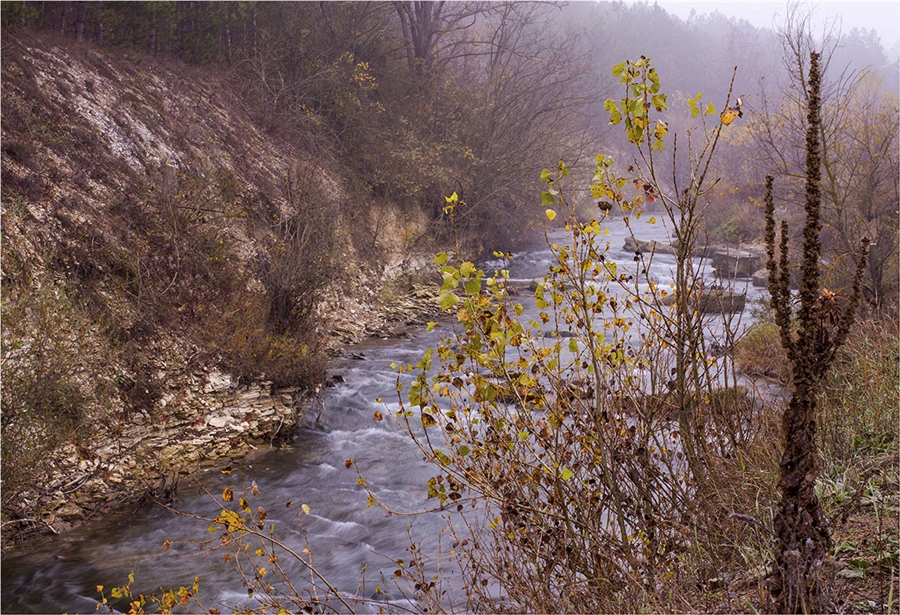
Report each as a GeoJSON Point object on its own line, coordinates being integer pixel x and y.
{"type": "Point", "coordinates": [61, 573]}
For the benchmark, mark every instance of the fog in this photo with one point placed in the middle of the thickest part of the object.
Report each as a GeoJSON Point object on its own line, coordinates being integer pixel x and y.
{"type": "Point", "coordinates": [883, 17]}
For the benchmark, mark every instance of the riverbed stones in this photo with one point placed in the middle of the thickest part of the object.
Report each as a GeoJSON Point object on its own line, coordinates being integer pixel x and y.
{"type": "Point", "coordinates": [713, 301]}
{"type": "Point", "coordinates": [742, 263]}
{"type": "Point", "coordinates": [648, 246]}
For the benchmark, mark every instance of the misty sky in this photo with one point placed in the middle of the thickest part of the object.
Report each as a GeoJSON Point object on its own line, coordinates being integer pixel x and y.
{"type": "Point", "coordinates": [883, 15]}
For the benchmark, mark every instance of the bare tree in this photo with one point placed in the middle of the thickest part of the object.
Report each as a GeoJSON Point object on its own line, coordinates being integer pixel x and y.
{"type": "Point", "coordinates": [430, 28]}
{"type": "Point", "coordinates": [858, 132]}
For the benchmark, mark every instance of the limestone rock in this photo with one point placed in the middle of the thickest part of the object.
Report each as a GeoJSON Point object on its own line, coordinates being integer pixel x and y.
{"type": "Point", "coordinates": [220, 421]}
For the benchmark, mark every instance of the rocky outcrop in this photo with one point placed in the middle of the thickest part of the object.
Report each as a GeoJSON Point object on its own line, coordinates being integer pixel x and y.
{"type": "Point", "coordinates": [388, 317]}
{"type": "Point", "coordinates": [211, 422]}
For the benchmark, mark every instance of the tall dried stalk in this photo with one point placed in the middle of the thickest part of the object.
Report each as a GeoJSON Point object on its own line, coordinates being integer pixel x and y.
{"type": "Point", "coordinates": [801, 529]}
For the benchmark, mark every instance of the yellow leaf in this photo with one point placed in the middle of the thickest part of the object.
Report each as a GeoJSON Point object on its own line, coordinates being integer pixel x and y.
{"type": "Point", "coordinates": [305, 508]}
{"type": "Point", "coordinates": [228, 494]}
{"type": "Point", "coordinates": [550, 214]}
{"type": "Point", "coordinates": [729, 115]}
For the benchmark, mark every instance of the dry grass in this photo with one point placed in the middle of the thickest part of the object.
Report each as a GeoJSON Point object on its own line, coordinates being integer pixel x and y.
{"type": "Point", "coordinates": [858, 415]}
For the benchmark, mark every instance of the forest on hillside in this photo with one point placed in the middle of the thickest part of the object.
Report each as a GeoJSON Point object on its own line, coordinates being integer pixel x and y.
{"type": "Point", "coordinates": [423, 99]}
{"type": "Point", "coordinates": [607, 443]}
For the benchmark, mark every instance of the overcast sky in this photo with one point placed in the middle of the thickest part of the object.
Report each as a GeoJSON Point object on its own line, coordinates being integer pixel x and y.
{"type": "Point", "coordinates": [882, 15]}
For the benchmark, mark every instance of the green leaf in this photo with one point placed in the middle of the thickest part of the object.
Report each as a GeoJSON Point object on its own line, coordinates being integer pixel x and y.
{"type": "Point", "coordinates": [692, 103]}
{"type": "Point", "coordinates": [615, 116]}
{"type": "Point", "coordinates": [573, 345]}
{"type": "Point", "coordinates": [464, 450]}
{"type": "Point", "coordinates": [659, 102]}
{"type": "Point", "coordinates": [547, 199]}
{"type": "Point", "coordinates": [618, 69]}
{"type": "Point", "coordinates": [545, 176]}
{"type": "Point", "coordinates": [441, 259]}
{"type": "Point", "coordinates": [490, 392]}
{"type": "Point", "coordinates": [450, 276]}
{"type": "Point", "coordinates": [710, 109]}
{"type": "Point", "coordinates": [567, 474]}
{"type": "Point", "coordinates": [473, 286]}
{"type": "Point", "coordinates": [447, 299]}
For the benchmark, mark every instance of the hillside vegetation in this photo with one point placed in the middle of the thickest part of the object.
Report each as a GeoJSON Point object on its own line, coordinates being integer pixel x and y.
{"type": "Point", "coordinates": [190, 189]}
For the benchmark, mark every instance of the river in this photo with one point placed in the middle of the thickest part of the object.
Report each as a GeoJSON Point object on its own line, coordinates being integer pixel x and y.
{"type": "Point", "coordinates": [60, 573]}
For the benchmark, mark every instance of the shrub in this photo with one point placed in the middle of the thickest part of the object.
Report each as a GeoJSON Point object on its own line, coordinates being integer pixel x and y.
{"type": "Point", "coordinates": [759, 352]}
{"type": "Point", "coordinates": [240, 338]}
{"type": "Point", "coordinates": [48, 393]}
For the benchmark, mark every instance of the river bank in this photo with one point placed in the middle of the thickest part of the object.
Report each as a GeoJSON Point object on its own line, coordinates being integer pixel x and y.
{"type": "Point", "coordinates": [204, 418]}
